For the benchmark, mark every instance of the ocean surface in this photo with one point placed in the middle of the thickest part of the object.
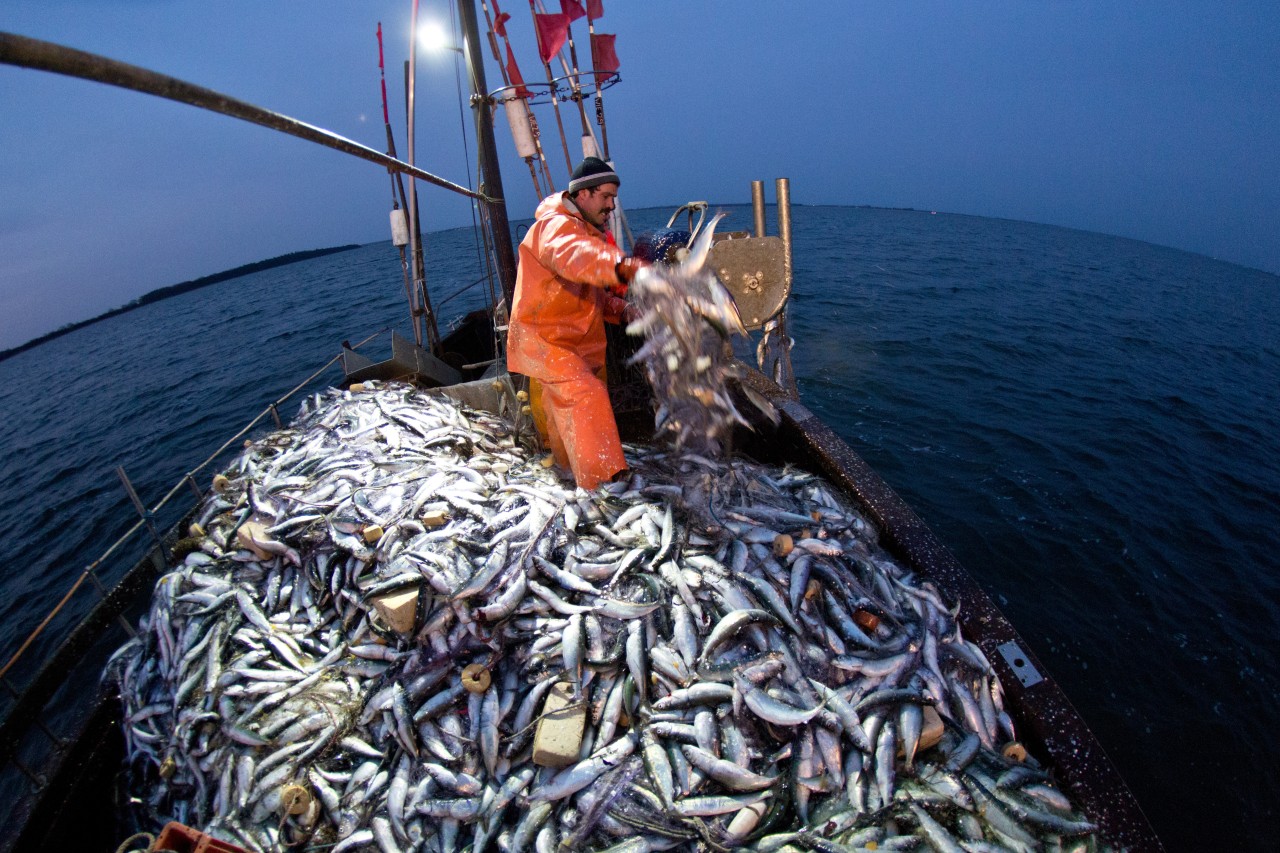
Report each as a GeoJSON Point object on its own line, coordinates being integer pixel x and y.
{"type": "Point", "coordinates": [1088, 422]}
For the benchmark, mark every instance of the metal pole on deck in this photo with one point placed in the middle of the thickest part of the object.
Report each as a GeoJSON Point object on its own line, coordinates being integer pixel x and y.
{"type": "Point", "coordinates": [421, 307]}
{"type": "Point", "coordinates": [146, 514]}
{"type": "Point", "coordinates": [783, 189]}
{"type": "Point", "coordinates": [757, 206]}
{"type": "Point", "coordinates": [787, 379]}
{"type": "Point", "coordinates": [499, 228]}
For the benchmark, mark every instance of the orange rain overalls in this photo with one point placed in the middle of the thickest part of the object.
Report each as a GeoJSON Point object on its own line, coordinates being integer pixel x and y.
{"type": "Point", "coordinates": [556, 336]}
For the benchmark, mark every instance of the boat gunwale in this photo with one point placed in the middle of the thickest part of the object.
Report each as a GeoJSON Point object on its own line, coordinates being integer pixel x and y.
{"type": "Point", "coordinates": [1046, 720]}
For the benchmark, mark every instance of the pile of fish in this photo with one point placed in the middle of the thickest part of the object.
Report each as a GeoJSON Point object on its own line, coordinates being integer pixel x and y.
{"type": "Point", "coordinates": [688, 318]}
{"type": "Point", "coordinates": [753, 669]}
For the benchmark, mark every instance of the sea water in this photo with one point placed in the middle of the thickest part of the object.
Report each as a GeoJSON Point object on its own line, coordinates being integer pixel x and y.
{"type": "Point", "coordinates": [1089, 423]}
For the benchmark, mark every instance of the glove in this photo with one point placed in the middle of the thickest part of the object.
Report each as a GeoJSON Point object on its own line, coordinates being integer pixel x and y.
{"type": "Point", "coordinates": [626, 270]}
{"type": "Point", "coordinates": [628, 267]}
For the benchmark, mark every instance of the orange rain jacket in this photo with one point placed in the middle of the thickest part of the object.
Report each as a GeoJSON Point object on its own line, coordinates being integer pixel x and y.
{"type": "Point", "coordinates": [561, 302]}
{"type": "Point", "coordinates": [556, 337]}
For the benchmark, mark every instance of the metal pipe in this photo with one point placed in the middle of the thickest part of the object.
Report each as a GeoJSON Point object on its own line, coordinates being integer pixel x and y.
{"type": "Point", "coordinates": [146, 514]}
{"type": "Point", "coordinates": [103, 592]}
{"type": "Point", "coordinates": [757, 206]}
{"type": "Point", "coordinates": [416, 265]}
{"type": "Point", "coordinates": [787, 377]}
{"type": "Point", "coordinates": [542, 155]}
{"type": "Point", "coordinates": [46, 56]}
{"type": "Point", "coordinates": [533, 173]}
{"type": "Point", "coordinates": [408, 290]}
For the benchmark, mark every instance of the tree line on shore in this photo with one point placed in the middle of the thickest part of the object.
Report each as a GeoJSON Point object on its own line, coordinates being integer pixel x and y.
{"type": "Point", "coordinates": [177, 289]}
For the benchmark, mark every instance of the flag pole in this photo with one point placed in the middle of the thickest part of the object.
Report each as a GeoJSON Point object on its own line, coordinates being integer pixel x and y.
{"type": "Point", "coordinates": [540, 155]}
{"type": "Point", "coordinates": [506, 83]}
{"type": "Point", "coordinates": [575, 82]}
{"type": "Point", "coordinates": [397, 186]}
{"type": "Point", "coordinates": [555, 102]}
{"type": "Point", "coordinates": [604, 128]}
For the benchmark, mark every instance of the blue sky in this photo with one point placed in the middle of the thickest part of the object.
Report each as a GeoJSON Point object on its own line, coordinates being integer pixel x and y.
{"type": "Point", "coordinates": [1156, 121]}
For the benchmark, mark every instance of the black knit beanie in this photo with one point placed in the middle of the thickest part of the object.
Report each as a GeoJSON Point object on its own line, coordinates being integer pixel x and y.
{"type": "Point", "coordinates": [592, 172]}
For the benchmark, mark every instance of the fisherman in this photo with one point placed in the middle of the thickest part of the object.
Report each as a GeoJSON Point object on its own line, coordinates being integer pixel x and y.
{"type": "Point", "coordinates": [569, 284]}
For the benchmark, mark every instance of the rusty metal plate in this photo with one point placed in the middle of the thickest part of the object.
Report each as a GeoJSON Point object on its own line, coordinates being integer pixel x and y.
{"type": "Point", "coordinates": [754, 270]}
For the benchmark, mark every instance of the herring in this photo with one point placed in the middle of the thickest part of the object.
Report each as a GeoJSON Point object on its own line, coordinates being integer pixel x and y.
{"type": "Point", "coordinates": [705, 673]}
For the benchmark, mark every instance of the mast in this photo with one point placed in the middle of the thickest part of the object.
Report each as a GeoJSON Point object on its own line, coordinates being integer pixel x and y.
{"type": "Point", "coordinates": [490, 175]}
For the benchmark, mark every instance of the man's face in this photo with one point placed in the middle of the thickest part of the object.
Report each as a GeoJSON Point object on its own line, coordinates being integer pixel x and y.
{"type": "Point", "coordinates": [597, 203]}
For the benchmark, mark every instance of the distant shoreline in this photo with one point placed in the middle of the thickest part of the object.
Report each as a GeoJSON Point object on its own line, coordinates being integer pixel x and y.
{"type": "Point", "coordinates": [178, 289]}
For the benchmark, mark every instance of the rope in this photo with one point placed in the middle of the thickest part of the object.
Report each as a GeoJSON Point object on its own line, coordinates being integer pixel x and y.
{"type": "Point", "coordinates": [465, 288]}
{"type": "Point", "coordinates": [126, 845]}
{"type": "Point", "coordinates": [490, 269]}
{"type": "Point", "coordinates": [40, 628]}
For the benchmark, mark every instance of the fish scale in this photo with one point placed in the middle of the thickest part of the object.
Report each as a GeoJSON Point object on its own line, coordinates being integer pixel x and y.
{"type": "Point", "coordinates": [633, 567]}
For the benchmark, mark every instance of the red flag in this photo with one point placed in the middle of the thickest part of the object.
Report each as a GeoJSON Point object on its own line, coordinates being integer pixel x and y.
{"type": "Point", "coordinates": [595, 9]}
{"type": "Point", "coordinates": [500, 24]}
{"type": "Point", "coordinates": [572, 9]}
{"type": "Point", "coordinates": [603, 55]}
{"type": "Point", "coordinates": [552, 31]}
{"type": "Point", "coordinates": [513, 72]}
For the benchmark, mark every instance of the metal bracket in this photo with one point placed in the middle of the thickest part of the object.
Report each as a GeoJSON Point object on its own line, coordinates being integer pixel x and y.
{"type": "Point", "coordinates": [406, 360]}
{"type": "Point", "coordinates": [1020, 664]}
{"type": "Point", "coordinates": [754, 271]}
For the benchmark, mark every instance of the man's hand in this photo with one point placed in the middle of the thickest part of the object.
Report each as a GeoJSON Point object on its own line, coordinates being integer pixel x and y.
{"type": "Point", "coordinates": [626, 270]}
{"type": "Point", "coordinates": [628, 267]}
